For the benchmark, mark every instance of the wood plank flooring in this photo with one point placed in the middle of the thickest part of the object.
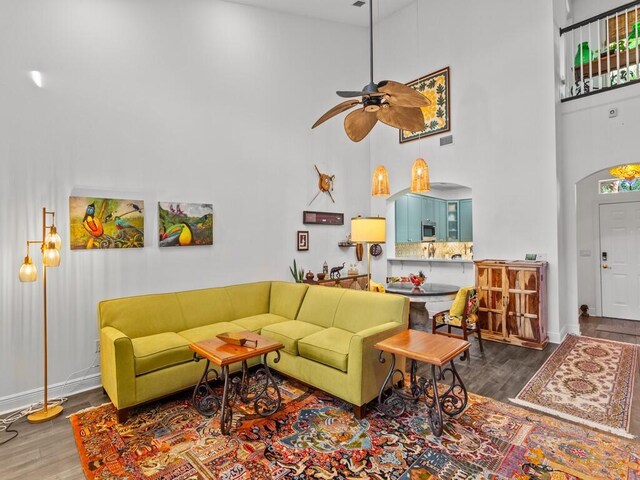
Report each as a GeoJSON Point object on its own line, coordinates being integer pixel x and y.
{"type": "Point", "coordinates": [47, 451]}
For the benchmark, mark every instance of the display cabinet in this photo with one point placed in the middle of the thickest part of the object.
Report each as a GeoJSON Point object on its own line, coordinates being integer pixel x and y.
{"type": "Point", "coordinates": [512, 301]}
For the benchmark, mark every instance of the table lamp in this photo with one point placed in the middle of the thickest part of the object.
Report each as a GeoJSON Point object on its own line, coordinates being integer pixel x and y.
{"type": "Point", "coordinates": [368, 230]}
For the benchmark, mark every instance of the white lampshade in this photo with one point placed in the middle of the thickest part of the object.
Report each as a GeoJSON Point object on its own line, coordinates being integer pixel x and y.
{"type": "Point", "coordinates": [369, 229]}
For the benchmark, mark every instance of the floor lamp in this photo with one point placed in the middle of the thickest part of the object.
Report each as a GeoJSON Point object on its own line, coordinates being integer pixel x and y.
{"type": "Point", "coordinates": [368, 230]}
{"type": "Point", "coordinates": [50, 247]}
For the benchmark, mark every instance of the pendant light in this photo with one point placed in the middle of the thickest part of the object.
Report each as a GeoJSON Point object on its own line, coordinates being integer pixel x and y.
{"type": "Point", "coordinates": [626, 172]}
{"type": "Point", "coordinates": [380, 182]}
{"type": "Point", "coordinates": [420, 176]}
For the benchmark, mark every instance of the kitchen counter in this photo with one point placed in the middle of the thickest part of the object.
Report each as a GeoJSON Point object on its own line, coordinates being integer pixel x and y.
{"type": "Point", "coordinates": [430, 260]}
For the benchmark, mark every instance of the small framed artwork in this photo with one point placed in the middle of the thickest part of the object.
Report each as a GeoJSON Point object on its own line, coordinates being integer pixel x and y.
{"type": "Point", "coordinates": [437, 116]}
{"type": "Point", "coordinates": [322, 218]}
{"type": "Point", "coordinates": [303, 240]}
{"type": "Point", "coordinates": [530, 256]}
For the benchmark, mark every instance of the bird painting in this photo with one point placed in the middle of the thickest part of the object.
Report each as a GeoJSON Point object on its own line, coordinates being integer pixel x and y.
{"type": "Point", "coordinates": [185, 224]}
{"type": "Point", "coordinates": [121, 224]}
{"type": "Point", "coordinates": [91, 223]}
{"type": "Point", "coordinates": [180, 234]}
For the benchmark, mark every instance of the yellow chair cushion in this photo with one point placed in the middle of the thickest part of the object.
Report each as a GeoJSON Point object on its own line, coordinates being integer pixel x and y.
{"type": "Point", "coordinates": [288, 333]}
{"type": "Point", "coordinates": [154, 352]}
{"type": "Point", "coordinates": [457, 307]}
{"type": "Point", "coordinates": [329, 347]}
{"type": "Point", "coordinates": [455, 320]}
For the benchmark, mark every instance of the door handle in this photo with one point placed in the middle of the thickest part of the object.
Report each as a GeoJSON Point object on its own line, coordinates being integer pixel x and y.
{"type": "Point", "coordinates": [605, 266]}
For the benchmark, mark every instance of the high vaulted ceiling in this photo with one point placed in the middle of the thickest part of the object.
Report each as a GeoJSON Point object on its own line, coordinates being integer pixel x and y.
{"type": "Point", "coordinates": [333, 10]}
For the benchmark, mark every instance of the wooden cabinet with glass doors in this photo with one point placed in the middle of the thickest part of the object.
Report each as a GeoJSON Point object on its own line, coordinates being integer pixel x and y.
{"type": "Point", "coordinates": [512, 302]}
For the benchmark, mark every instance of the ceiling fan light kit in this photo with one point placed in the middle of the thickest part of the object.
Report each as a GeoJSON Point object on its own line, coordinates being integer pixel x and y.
{"type": "Point", "coordinates": [392, 103]}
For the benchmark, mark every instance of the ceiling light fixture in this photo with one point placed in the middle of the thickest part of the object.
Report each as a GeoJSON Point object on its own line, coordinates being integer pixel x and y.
{"type": "Point", "coordinates": [380, 182]}
{"type": "Point", "coordinates": [626, 172]}
{"type": "Point", "coordinates": [393, 103]}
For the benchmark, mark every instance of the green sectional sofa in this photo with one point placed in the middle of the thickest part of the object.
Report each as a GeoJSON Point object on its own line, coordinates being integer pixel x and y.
{"type": "Point", "coordinates": [328, 336]}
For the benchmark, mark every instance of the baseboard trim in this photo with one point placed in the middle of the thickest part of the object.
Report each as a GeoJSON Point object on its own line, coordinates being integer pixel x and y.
{"type": "Point", "coordinates": [19, 401]}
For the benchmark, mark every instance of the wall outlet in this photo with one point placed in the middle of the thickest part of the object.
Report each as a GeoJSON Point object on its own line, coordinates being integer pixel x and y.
{"type": "Point", "coordinates": [97, 346]}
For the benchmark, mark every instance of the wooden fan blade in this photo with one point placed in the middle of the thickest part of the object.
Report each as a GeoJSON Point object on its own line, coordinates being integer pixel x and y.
{"type": "Point", "coordinates": [341, 107]}
{"type": "Point", "coordinates": [349, 94]}
{"type": "Point", "coordinates": [359, 123]}
{"type": "Point", "coordinates": [400, 94]}
{"type": "Point", "coordinates": [404, 118]}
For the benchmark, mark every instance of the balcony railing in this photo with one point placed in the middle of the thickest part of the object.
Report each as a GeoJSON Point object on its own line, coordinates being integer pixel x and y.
{"type": "Point", "coordinates": [602, 52]}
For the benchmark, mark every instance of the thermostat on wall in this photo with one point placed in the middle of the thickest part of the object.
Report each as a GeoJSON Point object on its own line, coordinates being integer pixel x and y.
{"type": "Point", "coordinates": [613, 112]}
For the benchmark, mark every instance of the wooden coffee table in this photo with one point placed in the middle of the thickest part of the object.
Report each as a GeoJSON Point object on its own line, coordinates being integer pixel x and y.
{"type": "Point", "coordinates": [436, 350]}
{"type": "Point", "coordinates": [261, 389]}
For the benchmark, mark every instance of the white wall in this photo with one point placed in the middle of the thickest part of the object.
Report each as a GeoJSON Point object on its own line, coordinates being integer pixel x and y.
{"type": "Point", "coordinates": [591, 142]}
{"type": "Point", "coordinates": [164, 100]}
{"type": "Point", "coordinates": [588, 236]}
{"type": "Point", "coordinates": [502, 99]}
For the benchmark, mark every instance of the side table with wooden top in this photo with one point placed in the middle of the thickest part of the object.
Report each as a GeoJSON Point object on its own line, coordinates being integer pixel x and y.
{"type": "Point", "coordinates": [448, 396]}
{"type": "Point", "coordinates": [260, 388]}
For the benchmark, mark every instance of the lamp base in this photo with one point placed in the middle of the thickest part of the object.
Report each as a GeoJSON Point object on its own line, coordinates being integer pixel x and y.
{"type": "Point", "coordinates": [45, 415]}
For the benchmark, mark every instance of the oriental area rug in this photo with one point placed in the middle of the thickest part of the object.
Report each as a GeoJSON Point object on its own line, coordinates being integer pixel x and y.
{"type": "Point", "coordinates": [313, 436]}
{"type": "Point", "coordinates": [586, 380]}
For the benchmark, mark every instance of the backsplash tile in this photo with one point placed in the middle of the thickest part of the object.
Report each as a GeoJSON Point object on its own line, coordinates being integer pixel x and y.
{"type": "Point", "coordinates": [439, 250]}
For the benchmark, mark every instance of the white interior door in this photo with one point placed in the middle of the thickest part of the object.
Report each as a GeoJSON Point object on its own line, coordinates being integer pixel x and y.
{"type": "Point", "coordinates": [620, 260]}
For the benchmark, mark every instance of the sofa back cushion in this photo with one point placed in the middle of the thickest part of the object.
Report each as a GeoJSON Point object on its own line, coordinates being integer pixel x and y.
{"type": "Point", "coordinates": [360, 310]}
{"type": "Point", "coordinates": [249, 299]}
{"type": "Point", "coordinates": [319, 305]}
{"type": "Point", "coordinates": [204, 307]}
{"type": "Point", "coordinates": [142, 315]}
{"type": "Point", "coordinates": [286, 298]}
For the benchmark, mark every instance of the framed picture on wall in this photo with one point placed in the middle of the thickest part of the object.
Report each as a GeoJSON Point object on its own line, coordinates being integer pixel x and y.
{"type": "Point", "coordinates": [303, 240]}
{"type": "Point", "coordinates": [437, 116]}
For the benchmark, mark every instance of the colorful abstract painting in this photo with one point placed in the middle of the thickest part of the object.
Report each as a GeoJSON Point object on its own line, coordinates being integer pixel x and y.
{"type": "Point", "coordinates": [96, 222]}
{"type": "Point", "coordinates": [185, 224]}
{"type": "Point", "coordinates": [437, 116]}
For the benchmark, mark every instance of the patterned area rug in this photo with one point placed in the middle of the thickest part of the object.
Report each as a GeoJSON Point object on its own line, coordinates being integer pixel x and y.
{"type": "Point", "coordinates": [586, 380]}
{"type": "Point", "coordinates": [314, 436]}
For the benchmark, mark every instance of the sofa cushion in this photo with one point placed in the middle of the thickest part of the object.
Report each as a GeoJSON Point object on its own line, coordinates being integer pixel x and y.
{"type": "Point", "coordinates": [329, 347]}
{"type": "Point", "coordinates": [286, 298]}
{"type": "Point", "coordinates": [154, 352]}
{"type": "Point", "coordinates": [207, 332]}
{"type": "Point", "coordinates": [257, 322]}
{"type": "Point", "coordinates": [249, 299]}
{"type": "Point", "coordinates": [288, 333]}
{"type": "Point", "coordinates": [319, 305]}
{"type": "Point", "coordinates": [204, 307]}
{"type": "Point", "coordinates": [142, 315]}
{"type": "Point", "coordinates": [360, 310]}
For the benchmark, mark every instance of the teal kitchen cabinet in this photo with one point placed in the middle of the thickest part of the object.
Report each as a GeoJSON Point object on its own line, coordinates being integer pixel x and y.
{"type": "Point", "coordinates": [440, 209]}
{"type": "Point", "coordinates": [465, 220]}
{"type": "Point", "coordinates": [402, 231]}
{"type": "Point", "coordinates": [453, 233]}
{"type": "Point", "coordinates": [414, 218]}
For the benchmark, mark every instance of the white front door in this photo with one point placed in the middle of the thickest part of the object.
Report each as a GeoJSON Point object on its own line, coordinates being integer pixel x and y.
{"type": "Point", "coordinates": [620, 260]}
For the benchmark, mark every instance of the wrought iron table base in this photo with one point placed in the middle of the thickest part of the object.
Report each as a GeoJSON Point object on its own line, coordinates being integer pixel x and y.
{"type": "Point", "coordinates": [260, 388]}
{"type": "Point", "coordinates": [451, 401]}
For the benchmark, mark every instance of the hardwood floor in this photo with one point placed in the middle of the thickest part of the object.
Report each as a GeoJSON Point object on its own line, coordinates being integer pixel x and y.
{"type": "Point", "coordinates": [47, 451]}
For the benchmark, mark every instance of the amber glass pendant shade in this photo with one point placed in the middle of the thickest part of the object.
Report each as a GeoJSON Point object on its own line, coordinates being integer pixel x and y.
{"type": "Point", "coordinates": [53, 236]}
{"type": "Point", "coordinates": [420, 176]}
{"type": "Point", "coordinates": [380, 182]}
{"type": "Point", "coordinates": [28, 272]}
{"type": "Point", "coordinates": [627, 172]}
{"type": "Point", "coordinates": [51, 256]}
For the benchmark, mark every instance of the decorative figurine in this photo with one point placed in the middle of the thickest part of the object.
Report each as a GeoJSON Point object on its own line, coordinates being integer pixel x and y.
{"type": "Point", "coordinates": [325, 268]}
{"type": "Point", "coordinates": [335, 271]}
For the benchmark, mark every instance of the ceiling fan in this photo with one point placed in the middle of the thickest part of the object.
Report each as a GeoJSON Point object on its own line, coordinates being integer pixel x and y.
{"type": "Point", "coordinates": [390, 102]}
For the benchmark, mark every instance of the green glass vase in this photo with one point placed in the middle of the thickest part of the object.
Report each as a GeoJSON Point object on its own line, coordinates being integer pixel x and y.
{"type": "Point", "coordinates": [634, 37]}
{"type": "Point", "coordinates": [583, 55]}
